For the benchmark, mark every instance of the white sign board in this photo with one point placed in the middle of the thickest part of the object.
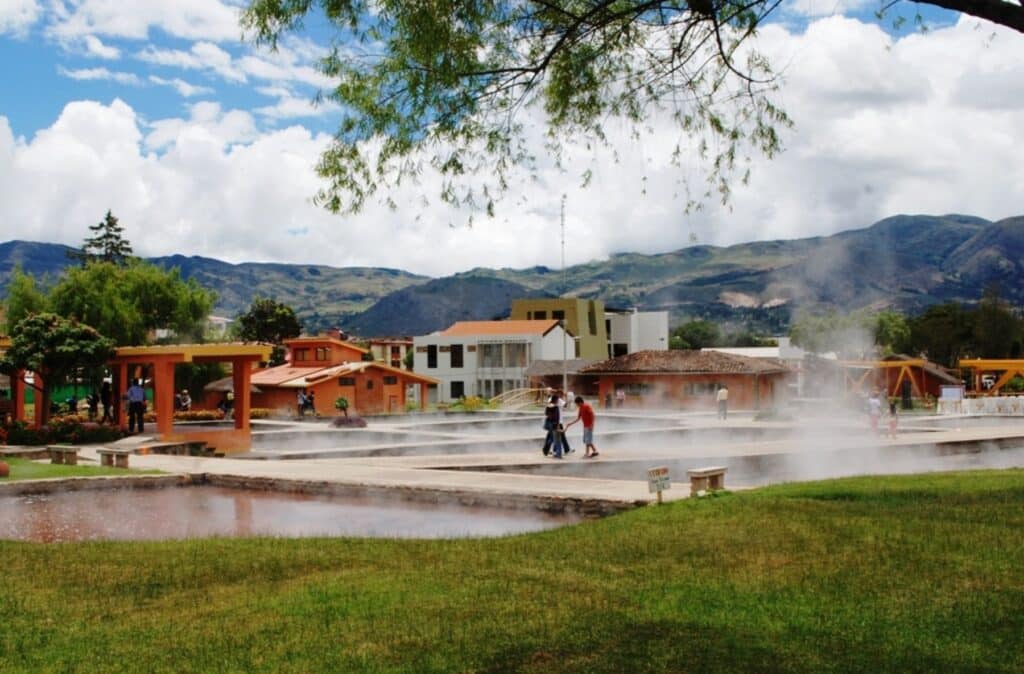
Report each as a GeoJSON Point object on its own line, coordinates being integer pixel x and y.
{"type": "Point", "coordinates": [658, 479]}
{"type": "Point", "coordinates": [951, 393]}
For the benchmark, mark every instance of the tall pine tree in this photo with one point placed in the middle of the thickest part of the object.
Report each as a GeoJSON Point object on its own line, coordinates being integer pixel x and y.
{"type": "Point", "coordinates": [107, 244]}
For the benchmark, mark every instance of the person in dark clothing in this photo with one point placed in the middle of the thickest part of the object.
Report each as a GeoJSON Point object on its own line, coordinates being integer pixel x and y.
{"type": "Point", "coordinates": [106, 398]}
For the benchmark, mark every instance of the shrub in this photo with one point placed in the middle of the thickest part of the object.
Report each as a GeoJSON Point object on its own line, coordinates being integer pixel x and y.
{"type": "Point", "coordinates": [348, 422]}
{"type": "Point", "coordinates": [64, 429]}
{"type": "Point", "coordinates": [471, 404]}
{"type": "Point", "coordinates": [199, 415]}
{"type": "Point", "coordinates": [260, 413]}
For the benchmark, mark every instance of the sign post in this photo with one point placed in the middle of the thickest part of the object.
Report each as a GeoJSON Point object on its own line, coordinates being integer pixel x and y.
{"type": "Point", "coordinates": [658, 480]}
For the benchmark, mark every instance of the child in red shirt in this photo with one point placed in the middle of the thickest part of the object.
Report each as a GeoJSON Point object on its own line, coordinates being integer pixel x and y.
{"type": "Point", "coordinates": [586, 415]}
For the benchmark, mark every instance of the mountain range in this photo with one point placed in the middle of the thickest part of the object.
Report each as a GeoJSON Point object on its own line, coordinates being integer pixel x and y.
{"type": "Point", "coordinates": [906, 262]}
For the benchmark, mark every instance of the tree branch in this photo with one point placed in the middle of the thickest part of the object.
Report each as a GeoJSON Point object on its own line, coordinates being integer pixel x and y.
{"type": "Point", "coordinates": [997, 11]}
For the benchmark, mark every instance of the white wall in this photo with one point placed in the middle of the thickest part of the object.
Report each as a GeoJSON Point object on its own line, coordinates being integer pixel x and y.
{"type": "Point", "coordinates": [472, 374]}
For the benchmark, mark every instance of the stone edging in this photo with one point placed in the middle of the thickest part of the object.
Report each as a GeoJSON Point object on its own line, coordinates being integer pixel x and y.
{"type": "Point", "coordinates": [544, 503]}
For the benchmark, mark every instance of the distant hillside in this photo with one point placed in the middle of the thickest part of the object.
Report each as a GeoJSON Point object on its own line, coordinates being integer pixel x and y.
{"type": "Point", "coordinates": [906, 262]}
{"type": "Point", "coordinates": [435, 305]}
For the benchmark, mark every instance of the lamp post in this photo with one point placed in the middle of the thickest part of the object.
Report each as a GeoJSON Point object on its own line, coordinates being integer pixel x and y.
{"type": "Point", "coordinates": [565, 373]}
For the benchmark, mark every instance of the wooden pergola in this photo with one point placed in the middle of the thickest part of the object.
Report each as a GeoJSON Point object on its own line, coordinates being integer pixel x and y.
{"type": "Point", "coordinates": [1007, 369]}
{"type": "Point", "coordinates": [161, 361]}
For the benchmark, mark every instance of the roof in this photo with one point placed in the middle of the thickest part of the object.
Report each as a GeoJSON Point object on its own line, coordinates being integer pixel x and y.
{"type": "Point", "coordinates": [683, 362]}
{"type": "Point", "coordinates": [286, 376]}
{"type": "Point", "coordinates": [322, 339]}
{"type": "Point", "coordinates": [226, 384]}
{"type": "Point", "coordinates": [472, 328]}
{"type": "Point", "coordinates": [548, 368]}
{"type": "Point", "coordinates": [189, 352]}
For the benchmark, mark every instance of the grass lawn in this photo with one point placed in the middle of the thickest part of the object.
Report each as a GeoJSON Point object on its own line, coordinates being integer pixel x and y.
{"type": "Point", "coordinates": [23, 469]}
{"type": "Point", "coordinates": [899, 574]}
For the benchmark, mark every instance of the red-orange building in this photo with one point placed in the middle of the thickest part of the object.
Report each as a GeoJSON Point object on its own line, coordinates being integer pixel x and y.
{"type": "Point", "coordinates": [330, 368]}
{"type": "Point", "coordinates": [688, 379]}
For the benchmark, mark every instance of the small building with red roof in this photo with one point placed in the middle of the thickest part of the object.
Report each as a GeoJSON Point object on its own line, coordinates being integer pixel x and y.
{"type": "Point", "coordinates": [330, 368]}
{"type": "Point", "coordinates": [688, 379]}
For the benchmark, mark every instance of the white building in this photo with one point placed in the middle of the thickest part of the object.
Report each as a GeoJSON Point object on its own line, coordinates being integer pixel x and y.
{"type": "Point", "coordinates": [632, 331]}
{"type": "Point", "coordinates": [486, 358]}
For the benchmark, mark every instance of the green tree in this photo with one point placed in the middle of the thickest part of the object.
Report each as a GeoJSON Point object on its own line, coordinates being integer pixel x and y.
{"type": "Point", "coordinates": [943, 333]}
{"type": "Point", "coordinates": [56, 349]}
{"type": "Point", "coordinates": [128, 303]}
{"type": "Point", "coordinates": [696, 334]}
{"type": "Point", "coordinates": [892, 332]}
{"type": "Point", "coordinates": [24, 298]}
{"type": "Point", "coordinates": [443, 85]}
{"type": "Point", "coordinates": [996, 329]}
{"type": "Point", "coordinates": [107, 244]}
{"type": "Point", "coordinates": [269, 321]}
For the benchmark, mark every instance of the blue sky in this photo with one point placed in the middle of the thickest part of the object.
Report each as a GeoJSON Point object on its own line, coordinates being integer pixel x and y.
{"type": "Point", "coordinates": [205, 145]}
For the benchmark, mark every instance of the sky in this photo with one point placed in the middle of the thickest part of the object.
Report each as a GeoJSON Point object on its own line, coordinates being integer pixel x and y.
{"type": "Point", "coordinates": [203, 144]}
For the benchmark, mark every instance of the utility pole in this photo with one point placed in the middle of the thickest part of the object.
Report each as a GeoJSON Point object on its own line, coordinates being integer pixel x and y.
{"type": "Point", "coordinates": [565, 288]}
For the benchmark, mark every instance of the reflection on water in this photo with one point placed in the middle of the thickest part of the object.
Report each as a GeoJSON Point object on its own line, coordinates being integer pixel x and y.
{"type": "Point", "coordinates": [198, 512]}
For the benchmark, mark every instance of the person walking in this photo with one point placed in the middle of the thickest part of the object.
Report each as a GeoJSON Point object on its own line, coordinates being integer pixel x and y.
{"type": "Point", "coordinates": [106, 398]}
{"type": "Point", "coordinates": [874, 410]}
{"type": "Point", "coordinates": [136, 396]}
{"type": "Point", "coordinates": [585, 414]}
{"type": "Point", "coordinates": [551, 427]}
{"type": "Point", "coordinates": [300, 403]}
{"type": "Point", "coordinates": [723, 401]}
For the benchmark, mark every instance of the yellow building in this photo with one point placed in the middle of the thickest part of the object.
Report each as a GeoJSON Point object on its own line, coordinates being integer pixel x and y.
{"type": "Point", "coordinates": [584, 318]}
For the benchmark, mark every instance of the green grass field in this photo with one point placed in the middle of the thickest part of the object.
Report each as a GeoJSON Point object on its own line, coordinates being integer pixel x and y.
{"type": "Point", "coordinates": [22, 469]}
{"type": "Point", "coordinates": [898, 574]}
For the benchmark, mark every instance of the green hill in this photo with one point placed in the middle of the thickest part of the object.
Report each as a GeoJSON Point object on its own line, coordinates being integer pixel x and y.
{"type": "Point", "coordinates": [906, 262]}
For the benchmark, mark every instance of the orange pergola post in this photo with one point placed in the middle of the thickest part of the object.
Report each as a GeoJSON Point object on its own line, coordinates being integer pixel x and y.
{"type": "Point", "coordinates": [18, 395]}
{"type": "Point", "coordinates": [163, 395]}
{"type": "Point", "coordinates": [241, 377]}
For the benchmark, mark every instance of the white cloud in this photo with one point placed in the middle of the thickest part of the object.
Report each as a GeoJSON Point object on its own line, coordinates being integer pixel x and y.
{"type": "Point", "coordinates": [136, 19]}
{"type": "Point", "coordinates": [291, 106]}
{"type": "Point", "coordinates": [100, 74]}
{"type": "Point", "coordinates": [181, 86]}
{"type": "Point", "coordinates": [16, 16]}
{"type": "Point", "coordinates": [819, 8]}
{"type": "Point", "coordinates": [882, 127]}
{"type": "Point", "coordinates": [202, 56]}
{"type": "Point", "coordinates": [95, 47]}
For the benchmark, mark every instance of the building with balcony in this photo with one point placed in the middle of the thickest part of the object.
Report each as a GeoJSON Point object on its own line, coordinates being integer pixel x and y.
{"type": "Point", "coordinates": [487, 358]}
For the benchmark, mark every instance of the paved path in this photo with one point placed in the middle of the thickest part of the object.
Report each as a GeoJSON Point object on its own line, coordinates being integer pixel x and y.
{"type": "Point", "coordinates": [669, 438]}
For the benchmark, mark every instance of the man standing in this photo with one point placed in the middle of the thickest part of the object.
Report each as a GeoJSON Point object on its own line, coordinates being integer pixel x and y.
{"type": "Point", "coordinates": [723, 401]}
{"type": "Point", "coordinates": [136, 406]}
{"type": "Point", "coordinates": [586, 415]}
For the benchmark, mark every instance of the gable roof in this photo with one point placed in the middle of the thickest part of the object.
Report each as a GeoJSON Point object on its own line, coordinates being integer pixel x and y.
{"type": "Point", "coordinates": [683, 362]}
{"type": "Point", "coordinates": [286, 376]}
{"type": "Point", "coordinates": [472, 328]}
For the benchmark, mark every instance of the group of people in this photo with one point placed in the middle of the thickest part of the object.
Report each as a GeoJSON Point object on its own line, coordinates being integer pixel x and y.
{"type": "Point", "coordinates": [556, 443]}
{"type": "Point", "coordinates": [306, 402]}
{"type": "Point", "coordinates": [182, 401]}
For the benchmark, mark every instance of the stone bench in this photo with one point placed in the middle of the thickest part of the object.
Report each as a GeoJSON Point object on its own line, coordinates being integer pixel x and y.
{"type": "Point", "coordinates": [708, 478]}
{"type": "Point", "coordinates": [63, 454]}
{"type": "Point", "coordinates": [110, 456]}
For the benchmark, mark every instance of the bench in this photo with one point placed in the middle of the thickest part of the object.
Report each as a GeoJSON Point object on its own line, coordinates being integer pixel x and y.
{"type": "Point", "coordinates": [114, 457]}
{"type": "Point", "coordinates": [65, 454]}
{"type": "Point", "coordinates": [708, 478]}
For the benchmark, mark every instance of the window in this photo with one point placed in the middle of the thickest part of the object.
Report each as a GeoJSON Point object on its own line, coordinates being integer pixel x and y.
{"type": "Point", "coordinates": [489, 355]}
{"type": "Point", "coordinates": [592, 318]}
{"type": "Point", "coordinates": [517, 355]}
{"type": "Point", "coordinates": [700, 388]}
{"type": "Point", "coordinates": [432, 355]}
{"type": "Point", "coordinates": [301, 354]}
{"type": "Point", "coordinates": [346, 381]}
{"type": "Point", "coordinates": [322, 353]}
{"type": "Point", "coordinates": [456, 355]}
{"type": "Point", "coordinates": [369, 384]}
{"type": "Point", "coordinates": [458, 389]}
{"type": "Point", "coordinates": [619, 350]}
{"type": "Point", "coordinates": [540, 315]}
{"type": "Point", "coordinates": [390, 380]}
{"type": "Point", "coordinates": [558, 315]}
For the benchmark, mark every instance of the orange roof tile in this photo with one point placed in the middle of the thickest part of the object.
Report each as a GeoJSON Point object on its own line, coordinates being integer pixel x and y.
{"type": "Point", "coordinates": [467, 328]}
